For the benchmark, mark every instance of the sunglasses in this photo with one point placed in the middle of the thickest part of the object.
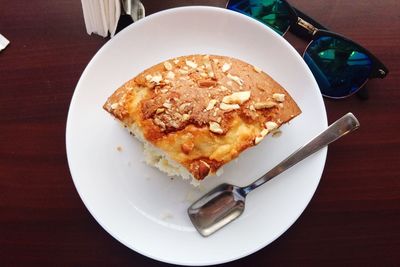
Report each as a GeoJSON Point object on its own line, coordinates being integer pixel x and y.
{"type": "Point", "coordinates": [340, 66]}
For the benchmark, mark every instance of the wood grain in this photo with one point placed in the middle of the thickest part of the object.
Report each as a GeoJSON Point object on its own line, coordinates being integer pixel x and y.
{"type": "Point", "coordinates": [353, 219]}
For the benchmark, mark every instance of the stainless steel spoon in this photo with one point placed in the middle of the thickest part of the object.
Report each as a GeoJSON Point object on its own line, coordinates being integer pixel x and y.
{"type": "Point", "coordinates": [226, 202]}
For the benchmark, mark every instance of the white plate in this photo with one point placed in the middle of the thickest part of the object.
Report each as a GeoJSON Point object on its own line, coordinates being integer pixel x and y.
{"type": "Point", "coordinates": [139, 205]}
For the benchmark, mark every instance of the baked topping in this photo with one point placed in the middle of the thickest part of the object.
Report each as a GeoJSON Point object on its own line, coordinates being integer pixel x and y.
{"type": "Point", "coordinates": [265, 104]}
{"type": "Point", "coordinates": [261, 136]}
{"type": "Point", "coordinates": [202, 110]}
{"type": "Point", "coordinates": [236, 79]}
{"type": "Point", "coordinates": [279, 97]}
{"type": "Point", "coordinates": [216, 128]}
{"type": "Point", "coordinates": [167, 65]}
{"type": "Point", "coordinates": [226, 67]}
{"type": "Point", "coordinates": [224, 106]}
{"type": "Point", "coordinates": [257, 69]}
{"type": "Point", "coordinates": [270, 125]}
{"type": "Point", "coordinates": [237, 97]}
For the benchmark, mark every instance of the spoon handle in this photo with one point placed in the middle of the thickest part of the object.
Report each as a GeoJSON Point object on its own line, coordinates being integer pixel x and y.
{"type": "Point", "coordinates": [339, 128]}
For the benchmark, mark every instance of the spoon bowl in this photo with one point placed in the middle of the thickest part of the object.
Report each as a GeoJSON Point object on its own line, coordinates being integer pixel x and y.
{"type": "Point", "coordinates": [220, 206]}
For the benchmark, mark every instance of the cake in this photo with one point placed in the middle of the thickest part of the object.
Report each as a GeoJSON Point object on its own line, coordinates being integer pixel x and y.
{"type": "Point", "coordinates": [196, 113]}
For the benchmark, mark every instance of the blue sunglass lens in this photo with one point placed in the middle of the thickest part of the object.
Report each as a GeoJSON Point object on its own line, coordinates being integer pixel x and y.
{"type": "Point", "coordinates": [273, 13]}
{"type": "Point", "coordinates": [339, 66]}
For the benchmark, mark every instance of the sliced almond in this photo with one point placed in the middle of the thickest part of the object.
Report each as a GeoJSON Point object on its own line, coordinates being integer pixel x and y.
{"type": "Point", "coordinates": [270, 125]}
{"type": "Point", "coordinates": [114, 105]}
{"type": "Point", "coordinates": [185, 117]}
{"type": "Point", "coordinates": [261, 136]}
{"type": "Point", "coordinates": [182, 71]}
{"type": "Point", "coordinates": [237, 97]}
{"type": "Point", "coordinates": [236, 79]}
{"type": "Point", "coordinates": [257, 69]}
{"type": "Point", "coordinates": [204, 168]}
{"type": "Point", "coordinates": [167, 105]}
{"type": "Point", "coordinates": [160, 110]}
{"type": "Point", "coordinates": [203, 74]}
{"type": "Point", "coordinates": [167, 65]}
{"type": "Point", "coordinates": [266, 104]}
{"type": "Point", "coordinates": [156, 78]}
{"type": "Point", "coordinates": [278, 97]}
{"type": "Point", "coordinates": [170, 75]}
{"type": "Point", "coordinates": [206, 83]}
{"type": "Point", "coordinates": [183, 106]}
{"type": "Point", "coordinates": [215, 128]}
{"type": "Point", "coordinates": [224, 106]}
{"type": "Point", "coordinates": [148, 77]}
{"type": "Point", "coordinates": [159, 123]}
{"type": "Point", "coordinates": [211, 104]}
{"type": "Point", "coordinates": [191, 64]}
{"type": "Point", "coordinates": [226, 67]}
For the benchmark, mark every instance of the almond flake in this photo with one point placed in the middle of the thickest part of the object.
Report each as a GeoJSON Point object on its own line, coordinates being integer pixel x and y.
{"type": "Point", "coordinates": [181, 71]}
{"type": "Point", "coordinates": [215, 60]}
{"type": "Point", "coordinates": [176, 61]}
{"type": "Point", "coordinates": [203, 74]}
{"type": "Point", "coordinates": [215, 128]}
{"type": "Point", "coordinates": [237, 97]}
{"type": "Point", "coordinates": [211, 74]}
{"type": "Point", "coordinates": [183, 106]}
{"type": "Point", "coordinates": [167, 65]}
{"type": "Point", "coordinates": [114, 105]}
{"type": "Point", "coordinates": [226, 67]}
{"type": "Point", "coordinates": [211, 104]}
{"type": "Point", "coordinates": [185, 117]}
{"type": "Point", "coordinates": [160, 110]}
{"type": "Point", "coordinates": [235, 79]}
{"type": "Point", "coordinates": [148, 77]}
{"type": "Point", "coordinates": [206, 83]}
{"type": "Point", "coordinates": [159, 122]}
{"type": "Point", "coordinates": [167, 105]}
{"type": "Point", "coordinates": [261, 136]}
{"type": "Point", "coordinates": [170, 75]}
{"type": "Point", "coordinates": [156, 79]}
{"type": "Point", "coordinates": [164, 90]}
{"type": "Point", "coordinates": [266, 104]}
{"type": "Point", "coordinates": [279, 97]}
{"type": "Point", "coordinates": [251, 107]}
{"type": "Point", "coordinates": [270, 125]}
{"type": "Point", "coordinates": [191, 64]}
{"type": "Point", "coordinates": [257, 69]}
{"type": "Point", "coordinates": [224, 106]}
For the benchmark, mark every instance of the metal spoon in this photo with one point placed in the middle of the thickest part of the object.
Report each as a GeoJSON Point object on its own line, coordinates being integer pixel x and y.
{"type": "Point", "coordinates": [226, 202]}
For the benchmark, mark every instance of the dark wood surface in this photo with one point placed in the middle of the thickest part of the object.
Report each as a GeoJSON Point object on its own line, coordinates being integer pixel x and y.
{"type": "Point", "coordinates": [353, 219]}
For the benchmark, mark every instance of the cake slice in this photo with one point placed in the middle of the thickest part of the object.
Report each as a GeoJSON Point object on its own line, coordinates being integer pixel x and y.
{"type": "Point", "coordinates": [196, 113]}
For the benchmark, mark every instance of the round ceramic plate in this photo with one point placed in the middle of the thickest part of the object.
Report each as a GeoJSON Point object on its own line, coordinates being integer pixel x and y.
{"type": "Point", "coordinates": [142, 207]}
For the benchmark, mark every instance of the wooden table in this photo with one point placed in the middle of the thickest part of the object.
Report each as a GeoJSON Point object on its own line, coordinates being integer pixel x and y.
{"type": "Point", "coordinates": [353, 219]}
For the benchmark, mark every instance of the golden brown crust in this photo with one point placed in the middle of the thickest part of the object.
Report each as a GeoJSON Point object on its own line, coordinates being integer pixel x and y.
{"type": "Point", "coordinates": [202, 110]}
